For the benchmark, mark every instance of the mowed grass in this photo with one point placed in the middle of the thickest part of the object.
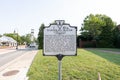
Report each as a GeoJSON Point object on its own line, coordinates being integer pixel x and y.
{"type": "Point", "coordinates": [110, 49]}
{"type": "Point", "coordinates": [84, 66]}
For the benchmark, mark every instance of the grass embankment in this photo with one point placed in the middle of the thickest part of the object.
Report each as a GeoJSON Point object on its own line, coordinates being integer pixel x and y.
{"type": "Point", "coordinates": [84, 66]}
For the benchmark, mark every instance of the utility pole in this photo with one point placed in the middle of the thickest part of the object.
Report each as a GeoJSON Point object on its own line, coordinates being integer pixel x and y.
{"type": "Point", "coordinates": [17, 42]}
{"type": "Point", "coordinates": [16, 33]}
{"type": "Point", "coordinates": [32, 38]}
{"type": "Point", "coordinates": [32, 35]}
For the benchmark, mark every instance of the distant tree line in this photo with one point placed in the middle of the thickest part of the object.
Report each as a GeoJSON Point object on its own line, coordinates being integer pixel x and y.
{"type": "Point", "coordinates": [99, 28]}
{"type": "Point", "coordinates": [20, 39]}
{"type": "Point", "coordinates": [102, 29]}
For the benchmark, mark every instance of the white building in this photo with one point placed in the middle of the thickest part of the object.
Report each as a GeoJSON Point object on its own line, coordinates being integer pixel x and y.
{"type": "Point", "coordinates": [7, 41]}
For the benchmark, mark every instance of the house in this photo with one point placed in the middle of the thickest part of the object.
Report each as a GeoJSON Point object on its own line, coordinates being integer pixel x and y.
{"type": "Point", "coordinates": [7, 41]}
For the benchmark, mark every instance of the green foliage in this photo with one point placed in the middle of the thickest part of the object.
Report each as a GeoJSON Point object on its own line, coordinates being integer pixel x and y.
{"type": "Point", "coordinates": [89, 45]}
{"type": "Point", "coordinates": [40, 37]}
{"type": "Point", "coordinates": [20, 39]}
{"type": "Point", "coordinates": [106, 36]}
{"type": "Point", "coordinates": [84, 66]}
{"type": "Point", "coordinates": [85, 37]}
{"type": "Point", "coordinates": [15, 36]}
{"type": "Point", "coordinates": [100, 27]}
{"type": "Point", "coordinates": [118, 42]}
{"type": "Point", "coordinates": [23, 38]}
{"type": "Point", "coordinates": [116, 37]}
{"type": "Point", "coordinates": [26, 38]}
{"type": "Point", "coordinates": [92, 24]}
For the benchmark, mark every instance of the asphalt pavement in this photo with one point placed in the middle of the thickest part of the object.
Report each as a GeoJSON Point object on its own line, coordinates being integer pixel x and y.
{"type": "Point", "coordinates": [17, 68]}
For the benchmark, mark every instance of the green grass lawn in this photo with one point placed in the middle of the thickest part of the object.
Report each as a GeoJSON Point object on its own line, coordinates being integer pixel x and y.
{"type": "Point", "coordinates": [109, 49]}
{"type": "Point", "coordinates": [84, 66]}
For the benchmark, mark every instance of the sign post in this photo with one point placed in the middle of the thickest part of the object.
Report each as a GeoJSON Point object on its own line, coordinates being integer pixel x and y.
{"type": "Point", "coordinates": [60, 70]}
{"type": "Point", "coordinates": [60, 40]}
{"type": "Point", "coordinates": [59, 66]}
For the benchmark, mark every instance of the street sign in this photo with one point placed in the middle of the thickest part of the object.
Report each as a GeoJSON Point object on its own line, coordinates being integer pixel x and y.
{"type": "Point", "coordinates": [59, 38]}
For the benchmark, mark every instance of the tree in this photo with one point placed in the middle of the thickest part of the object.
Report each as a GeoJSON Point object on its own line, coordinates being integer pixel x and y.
{"type": "Point", "coordinates": [99, 27]}
{"type": "Point", "coordinates": [92, 24]}
{"type": "Point", "coordinates": [116, 35]}
{"type": "Point", "coordinates": [40, 37]}
{"type": "Point", "coordinates": [26, 38]}
{"type": "Point", "coordinates": [15, 36]}
{"type": "Point", "coordinates": [106, 36]}
{"type": "Point", "coordinates": [23, 39]}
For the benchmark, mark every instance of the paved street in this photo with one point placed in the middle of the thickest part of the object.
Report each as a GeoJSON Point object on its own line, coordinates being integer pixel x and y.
{"type": "Point", "coordinates": [7, 57]}
{"type": "Point", "coordinates": [14, 64]}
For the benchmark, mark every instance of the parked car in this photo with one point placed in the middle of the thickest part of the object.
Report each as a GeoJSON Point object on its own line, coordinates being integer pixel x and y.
{"type": "Point", "coordinates": [32, 45]}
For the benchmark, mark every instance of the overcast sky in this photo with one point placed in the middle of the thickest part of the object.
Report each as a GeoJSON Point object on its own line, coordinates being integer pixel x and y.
{"type": "Point", "coordinates": [24, 15]}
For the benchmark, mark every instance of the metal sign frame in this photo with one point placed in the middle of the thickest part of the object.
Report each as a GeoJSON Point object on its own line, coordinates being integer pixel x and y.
{"type": "Point", "coordinates": [59, 23]}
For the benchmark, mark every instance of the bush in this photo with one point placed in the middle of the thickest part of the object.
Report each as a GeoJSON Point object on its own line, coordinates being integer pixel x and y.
{"type": "Point", "coordinates": [104, 44]}
{"type": "Point", "coordinates": [118, 42]}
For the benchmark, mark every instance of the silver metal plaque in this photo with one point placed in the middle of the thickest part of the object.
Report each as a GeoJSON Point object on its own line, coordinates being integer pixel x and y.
{"type": "Point", "coordinates": [59, 38]}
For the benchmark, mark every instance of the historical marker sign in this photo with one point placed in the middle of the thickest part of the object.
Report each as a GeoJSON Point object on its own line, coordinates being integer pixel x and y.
{"type": "Point", "coordinates": [60, 38]}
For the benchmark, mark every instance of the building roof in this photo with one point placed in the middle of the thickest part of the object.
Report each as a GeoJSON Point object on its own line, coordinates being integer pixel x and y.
{"type": "Point", "coordinates": [7, 39]}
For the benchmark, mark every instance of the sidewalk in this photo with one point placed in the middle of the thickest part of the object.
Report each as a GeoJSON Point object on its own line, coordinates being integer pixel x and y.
{"type": "Point", "coordinates": [18, 68]}
{"type": "Point", "coordinates": [9, 49]}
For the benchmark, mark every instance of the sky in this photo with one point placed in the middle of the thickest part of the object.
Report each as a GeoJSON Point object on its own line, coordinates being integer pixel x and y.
{"type": "Point", "coordinates": [24, 15]}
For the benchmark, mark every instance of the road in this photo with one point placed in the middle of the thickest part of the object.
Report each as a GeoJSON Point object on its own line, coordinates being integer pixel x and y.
{"type": "Point", "coordinates": [9, 56]}
{"type": "Point", "coordinates": [14, 64]}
